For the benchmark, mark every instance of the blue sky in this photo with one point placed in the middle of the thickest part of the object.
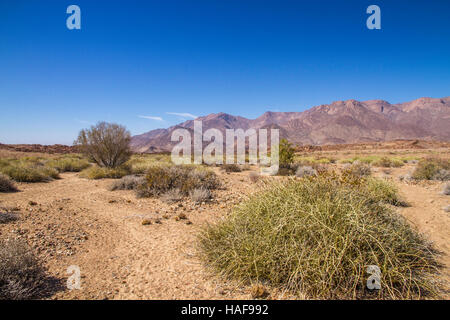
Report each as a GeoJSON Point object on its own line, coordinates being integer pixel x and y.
{"type": "Point", "coordinates": [140, 63]}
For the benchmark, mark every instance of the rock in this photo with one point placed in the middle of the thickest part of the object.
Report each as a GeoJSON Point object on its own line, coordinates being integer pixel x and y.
{"type": "Point", "coordinates": [146, 222]}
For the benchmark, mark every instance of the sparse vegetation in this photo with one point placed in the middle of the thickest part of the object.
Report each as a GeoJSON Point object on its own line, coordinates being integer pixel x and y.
{"type": "Point", "coordinates": [160, 179]}
{"type": "Point", "coordinates": [21, 275]}
{"type": "Point", "coordinates": [106, 144]}
{"type": "Point", "coordinates": [387, 163]}
{"type": "Point", "coordinates": [127, 183]}
{"type": "Point", "coordinates": [28, 171]}
{"type": "Point", "coordinates": [432, 169]}
{"type": "Point", "coordinates": [317, 235]}
{"type": "Point", "coordinates": [6, 185]}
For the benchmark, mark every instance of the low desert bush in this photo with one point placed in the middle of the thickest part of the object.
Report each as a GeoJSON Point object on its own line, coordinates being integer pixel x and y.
{"type": "Point", "coordinates": [305, 171]}
{"type": "Point", "coordinates": [21, 275]}
{"type": "Point", "coordinates": [317, 236]}
{"type": "Point", "coordinates": [432, 169]}
{"type": "Point", "coordinates": [357, 168]}
{"type": "Point", "coordinates": [446, 189]}
{"type": "Point", "coordinates": [254, 176]}
{"type": "Point", "coordinates": [96, 172]}
{"type": "Point", "coordinates": [68, 164]}
{"type": "Point", "coordinates": [388, 162]}
{"type": "Point", "coordinates": [171, 196]}
{"type": "Point", "coordinates": [6, 185]}
{"type": "Point", "coordinates": [231, 168]}
{"type": "Point", "coordinates": [126, 183]}
{"type": "Point", "coordinates": [160, 179]}
{"type": "Point", "coordinates": [6, 217]}
{"type": "Point", "coordinates": [199, 195]}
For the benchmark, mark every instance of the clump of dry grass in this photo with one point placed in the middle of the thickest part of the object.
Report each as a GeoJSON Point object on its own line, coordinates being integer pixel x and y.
{"type": "Point", "coordinates": [68, 164]}
{"type": "Point", "coordinates": [200, 195]}
{"type": "Point", "coordinates": [171, 196]}
{"type": "Point", "coordinates": [6, 185]}
{"type": "Point", "coordinates": [432, 169]}
{"type": "Point", "coordinates": [317, 235]}
{"type": "Point", "coordinates": [21, 275]}
{"type": "Point", "coordinates": [127, 183]}
{"type": "Point", "coordinates": [160, 179]}
{"type": "Point", "coordinates": [388, 162]}
{"type": "Point", "coordinates": [28, 171]}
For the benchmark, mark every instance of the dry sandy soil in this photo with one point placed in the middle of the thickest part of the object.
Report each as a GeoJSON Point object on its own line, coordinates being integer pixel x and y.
{"type": "Point", "coordinates": [75, 221]}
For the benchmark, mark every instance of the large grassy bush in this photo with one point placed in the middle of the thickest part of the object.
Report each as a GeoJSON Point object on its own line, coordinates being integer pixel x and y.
{"type": "Point", "coordinates": [28, 171]}
{"type": "Point", "coordinates": [432, 169]}
{"type": "Point", "coordinates": [161, 179]}
{"type": "Point", "coordinates": [317, 235]}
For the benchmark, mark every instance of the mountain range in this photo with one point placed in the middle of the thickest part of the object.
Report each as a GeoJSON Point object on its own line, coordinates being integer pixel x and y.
{"type": "Point", "coordinates": [349, 121]}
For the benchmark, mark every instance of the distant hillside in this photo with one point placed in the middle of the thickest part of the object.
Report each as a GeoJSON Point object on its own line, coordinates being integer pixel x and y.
{"type": "Point", "coordinates": [341, 122]}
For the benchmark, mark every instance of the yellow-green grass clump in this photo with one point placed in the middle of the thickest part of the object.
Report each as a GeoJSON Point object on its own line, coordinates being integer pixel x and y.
{"type": "Point", "coordinates": [317, 235]}
{"type": "Point", "coordinates": [95, 172]}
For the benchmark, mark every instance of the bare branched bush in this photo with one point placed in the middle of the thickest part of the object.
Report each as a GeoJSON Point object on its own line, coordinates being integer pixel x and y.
{"type": "Point", "coordinates": [106, 144]}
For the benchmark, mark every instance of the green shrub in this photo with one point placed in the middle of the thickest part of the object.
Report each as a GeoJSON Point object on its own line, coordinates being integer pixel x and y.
{"type": "Point", "coordinates": [96, 172]}
{"type": "Point", "coordinates": [21, 275]}
{"type": "Point", "coordinates": [316, 236]}
{"type": "Point", "coordinates": [6, 185]}
{"type": "Point", "coordinates": [286, 153]}
{"type": "Point", "coordinates": [160, 179]}
{"type": "Point", "coordinates": [432, 169]}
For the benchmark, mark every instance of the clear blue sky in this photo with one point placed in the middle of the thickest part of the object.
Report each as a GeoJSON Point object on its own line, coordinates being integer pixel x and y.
{"type": "Point", "coordinates": [152, 58]}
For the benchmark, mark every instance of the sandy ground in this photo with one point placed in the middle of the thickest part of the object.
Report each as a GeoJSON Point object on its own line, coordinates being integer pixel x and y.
{"type": "Point", "coordinates": [79, 222]}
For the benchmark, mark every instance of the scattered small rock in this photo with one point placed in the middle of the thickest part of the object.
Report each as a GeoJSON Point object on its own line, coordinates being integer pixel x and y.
{"type": "Point", "coordinates": [32, 203]}
{"type": "Point", "coordinates": [146, 222]}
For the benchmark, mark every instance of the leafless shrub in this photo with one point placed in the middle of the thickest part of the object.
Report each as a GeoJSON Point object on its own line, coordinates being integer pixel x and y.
{"type": "Point", "coordinates": [106, 144]}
